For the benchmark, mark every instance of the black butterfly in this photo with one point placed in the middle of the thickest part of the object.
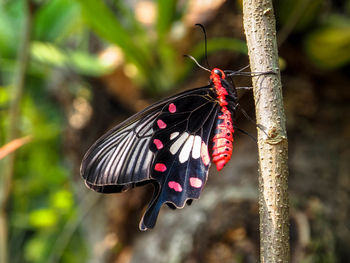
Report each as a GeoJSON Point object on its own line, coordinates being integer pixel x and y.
{"type": "Point", "coordinates": [170, 144]}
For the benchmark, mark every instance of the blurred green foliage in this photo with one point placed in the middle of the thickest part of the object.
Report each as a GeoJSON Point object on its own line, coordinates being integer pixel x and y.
{"type": "Point", "coordinates": [43, 200]}
{"type": "Point", "coordinates": [329, 46]}
{"type": "Point", "coordinates": [324, 32]}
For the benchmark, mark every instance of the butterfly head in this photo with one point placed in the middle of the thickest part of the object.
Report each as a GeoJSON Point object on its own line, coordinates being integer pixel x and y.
{"type": "Point", "coordinates": [217, 74]}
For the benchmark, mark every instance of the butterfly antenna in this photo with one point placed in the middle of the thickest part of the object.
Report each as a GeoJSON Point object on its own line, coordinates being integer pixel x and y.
{"type": "Point", "coordinates": [250, 74]}
{"type": "Point", "coordinates": [199, 65]}
{"type": "Point", "coordinates": [240, 70]}
{"type": "Point", "coordinates": [235, 72]}
{"type": "Point", "coordinates": [205, 43]}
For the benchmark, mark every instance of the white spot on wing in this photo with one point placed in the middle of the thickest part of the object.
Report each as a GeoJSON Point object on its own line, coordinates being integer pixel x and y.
{"type": "Point", "coordinates": [174, 135]}
{"type": "Point", "coordinates": [196, 149]}
{"type": "Point", "coordinates": [186, 150]}
{"type": "Point", "coordinates": [178, 143]}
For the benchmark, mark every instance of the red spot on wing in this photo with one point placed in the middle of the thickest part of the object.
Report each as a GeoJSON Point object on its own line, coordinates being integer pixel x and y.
{"type": "Point", "coordinates": [195, 182]}
{"type": "Point", "coordinates": [160, 167]}
{"type": "Point", "coordinates": [172, 108]}
{"type": "Point", "coordinates": [158, 143]}
{"type": "Point", "coordinates": [205, 154]}
{"type": "Point", "coordinates": [176, 186]}
{"type": "Point", "coordinates": [161, 124]}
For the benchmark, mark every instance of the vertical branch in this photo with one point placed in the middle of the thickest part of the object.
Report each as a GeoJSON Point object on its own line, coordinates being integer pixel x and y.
{"type": "Point", "coordinates": [259, 25]}
{"type": "Point", "coordinates": [13, 123]}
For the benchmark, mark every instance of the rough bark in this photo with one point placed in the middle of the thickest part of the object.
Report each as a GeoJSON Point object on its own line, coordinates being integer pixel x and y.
{"type": "Point", "coordinates": [259, 25]}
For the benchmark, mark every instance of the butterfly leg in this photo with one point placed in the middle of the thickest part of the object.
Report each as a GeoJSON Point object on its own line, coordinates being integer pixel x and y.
{"type": "Point", "coordinates": [244, 132]}
{"type": "Point", "coordinates": [245, 88]}
{"type": "Point", "coordinates": [260, 126]}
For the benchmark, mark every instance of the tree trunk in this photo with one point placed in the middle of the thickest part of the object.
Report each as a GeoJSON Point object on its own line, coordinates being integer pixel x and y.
{"type": "Point", "coordinates": [259, 25]}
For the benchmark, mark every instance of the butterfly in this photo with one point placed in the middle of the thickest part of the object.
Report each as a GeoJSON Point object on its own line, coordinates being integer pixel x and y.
{"type": "Point", "coordinates": [170, 144]}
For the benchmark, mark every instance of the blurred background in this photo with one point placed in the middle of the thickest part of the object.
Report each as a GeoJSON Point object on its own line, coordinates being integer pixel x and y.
{"type": "Point", "coordinates": [70, 70]}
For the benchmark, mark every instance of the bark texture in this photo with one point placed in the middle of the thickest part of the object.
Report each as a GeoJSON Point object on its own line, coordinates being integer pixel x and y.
{"type": "Point", "coordinates": [259, 25]}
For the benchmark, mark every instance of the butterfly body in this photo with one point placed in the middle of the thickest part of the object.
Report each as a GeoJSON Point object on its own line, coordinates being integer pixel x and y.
{"type": "Point", "coordinates": [170, 144]}
{"type": "Point", "coordinates": [223, 139]}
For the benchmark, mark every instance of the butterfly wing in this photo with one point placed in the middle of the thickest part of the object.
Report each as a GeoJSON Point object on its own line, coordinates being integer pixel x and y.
{"type": "Point", "coordinates": [166, 144]}
{"type": "Point", "coordinates": [121, 158]}
{"type": "Point", "coordinates": [180, 167]}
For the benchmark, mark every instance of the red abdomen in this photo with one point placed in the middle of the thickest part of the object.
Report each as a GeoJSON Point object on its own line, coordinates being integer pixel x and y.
{"type": "Point", "coordinates": [223, 139]}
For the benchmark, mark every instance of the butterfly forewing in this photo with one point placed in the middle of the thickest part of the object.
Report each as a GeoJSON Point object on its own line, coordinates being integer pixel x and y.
{"type": "Point", "coordinates": [122, 157]}
{"type": "Point", "coordinates": [116, 160]}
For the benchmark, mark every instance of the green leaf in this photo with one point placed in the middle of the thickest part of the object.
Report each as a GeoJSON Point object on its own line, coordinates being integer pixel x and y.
{"type": "Point", "coordinates": [4, 95]}
{"type": "Point", "coordinates": [165, 16]}
{"type": "Point", "coordinates": [299, 14]}
{"type": "Point", "coordinates": [62, 200]}
{"type": "Point", "coordinates": [81, 62]}
{"type": "Point", "coordinates": [107, 26]}
{"type": "Point", "coordinates": [11, 18]}
{"type": "Point", "coordinates": [48, 54]}
{"type": "Point", "coordinates": [329, 47]}
{"type": "Point", "coordinates": [35, 249]}
{"type": "Point", "coordinates": [43, 218]}
{"type": "Point", "coordinates": [56, 19]}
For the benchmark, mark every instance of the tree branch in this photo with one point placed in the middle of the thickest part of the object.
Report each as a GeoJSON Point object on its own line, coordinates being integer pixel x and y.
{"type": "Point", "coordinates": [259, 25]}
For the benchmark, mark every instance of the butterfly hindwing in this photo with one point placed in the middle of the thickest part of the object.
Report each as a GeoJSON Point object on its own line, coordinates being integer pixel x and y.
{"type": "Point", "coordinates": [180, 167]}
